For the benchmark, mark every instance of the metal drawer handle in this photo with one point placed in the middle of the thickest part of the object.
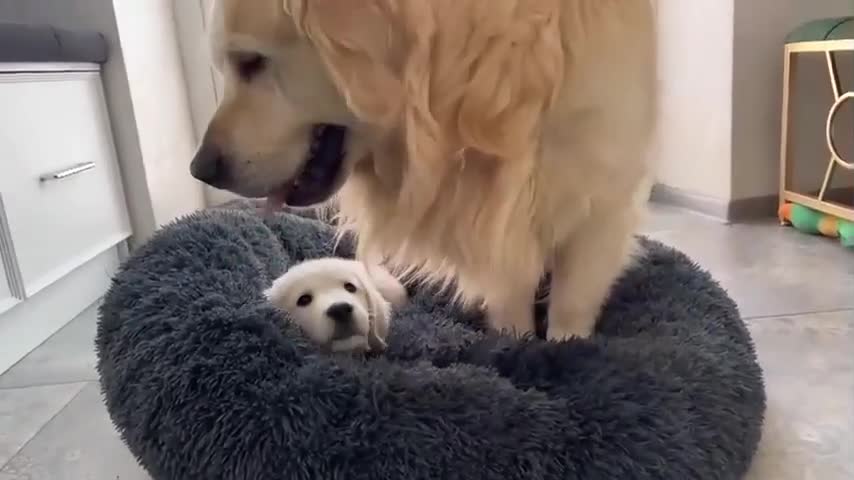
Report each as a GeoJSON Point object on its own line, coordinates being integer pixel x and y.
{"type": "Point", "coordinates": [68, 172]}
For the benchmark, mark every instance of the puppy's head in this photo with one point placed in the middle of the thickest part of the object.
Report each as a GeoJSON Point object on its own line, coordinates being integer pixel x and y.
{"type": "Point", "coordinates": [338, 303]}
{"type": "Point", "coordinates": [317, 89]}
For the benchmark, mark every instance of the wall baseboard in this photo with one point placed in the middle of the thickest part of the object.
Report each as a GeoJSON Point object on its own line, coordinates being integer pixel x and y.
{"type": "Point", "coordinates": [730, 211]}
{"type": "Point", "coordinates": [752, 208]}
{"type": "Point", "coordinates": [736, 210]}
{"type": "Point", "coordinates": [697, 203]}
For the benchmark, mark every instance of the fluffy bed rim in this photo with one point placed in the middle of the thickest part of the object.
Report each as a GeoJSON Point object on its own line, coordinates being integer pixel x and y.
{"type": "Point", "coordinates": [204, 379]}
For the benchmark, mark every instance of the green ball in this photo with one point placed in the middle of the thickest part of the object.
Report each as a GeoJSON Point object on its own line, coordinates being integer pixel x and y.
{"type": "Point", "coordinates": [846, 233]}
{"type": "Point", "coordinates": [806, 219]}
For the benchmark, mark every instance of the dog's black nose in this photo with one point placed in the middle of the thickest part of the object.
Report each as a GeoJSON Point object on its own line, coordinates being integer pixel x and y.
{"type": "Point", "coordinates": [209, 165]}
{"type": "Point", "coordinates": [340, 312]}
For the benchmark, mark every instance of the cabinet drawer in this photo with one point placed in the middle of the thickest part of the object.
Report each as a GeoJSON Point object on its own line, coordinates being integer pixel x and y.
{"type": "Point", "coordinates": [58, 173]}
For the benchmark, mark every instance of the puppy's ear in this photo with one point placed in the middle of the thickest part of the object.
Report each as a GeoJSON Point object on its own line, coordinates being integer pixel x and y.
{"type": "Point", "coordinates": [382, 291]}
{"type": "Point", "coordinates": [276, 293]}
{"type": "Point", "coordinates": [376, 338]}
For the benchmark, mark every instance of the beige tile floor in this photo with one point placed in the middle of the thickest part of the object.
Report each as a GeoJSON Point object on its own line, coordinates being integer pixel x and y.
{"type": "Point", "coordinates": [796, 292]}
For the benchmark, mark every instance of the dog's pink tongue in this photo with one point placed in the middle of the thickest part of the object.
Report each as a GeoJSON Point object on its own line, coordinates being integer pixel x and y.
{"type": "Point", "coordinates": [275, 201]}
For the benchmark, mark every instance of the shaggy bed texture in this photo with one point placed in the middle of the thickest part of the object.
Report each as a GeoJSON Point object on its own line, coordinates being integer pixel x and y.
{"type": "Point", "coordinates": [205, 380]}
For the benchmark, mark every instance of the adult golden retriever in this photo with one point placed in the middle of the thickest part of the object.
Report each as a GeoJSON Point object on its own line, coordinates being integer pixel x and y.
{"type": "Point", "coordinates": [483, 142]}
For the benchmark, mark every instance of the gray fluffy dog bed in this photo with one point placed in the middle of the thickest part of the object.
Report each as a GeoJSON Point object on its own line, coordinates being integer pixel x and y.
{"type": "Point", "coordinates": [205, 380]}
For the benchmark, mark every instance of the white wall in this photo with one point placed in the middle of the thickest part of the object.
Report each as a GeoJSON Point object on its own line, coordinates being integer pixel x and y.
{"type": "Point", "coordinates": [695, 73]}
{"type": "Point", "coordinates": [760, 29]}
{"type": "Point", "coordinates": [205, 84]}
{"type": "Point", "coordinates": [160, 103]}
{"type": "Point", "coordinates": [191, 24]}
{"type": "Point", "coordinates": [720, 71]}
{"type": "Point", "coordinates": [146, 94]}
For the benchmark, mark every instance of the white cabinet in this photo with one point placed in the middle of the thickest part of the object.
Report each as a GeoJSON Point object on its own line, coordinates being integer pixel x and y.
{"type": "Point", "coordinates": [9, 292]}
{"type": "Point", "coordinates": [60, 182]}
{"type": "Point", "coordinates": [7, 298]}
{"type": "Point", "coordinates": [63, 216]}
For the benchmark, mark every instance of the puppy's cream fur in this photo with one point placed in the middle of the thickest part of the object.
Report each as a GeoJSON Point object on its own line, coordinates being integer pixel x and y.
{"type": "Point", "coordinates": [324, 282]}
{"type": "Point", "coordinates": [491, 140]}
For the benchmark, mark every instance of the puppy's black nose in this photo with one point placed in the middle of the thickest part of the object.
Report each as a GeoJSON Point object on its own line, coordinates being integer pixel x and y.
{"type": "Point", "coordinates": [209, 165]}
{"type": "Point", "coordinates": [340, 312]}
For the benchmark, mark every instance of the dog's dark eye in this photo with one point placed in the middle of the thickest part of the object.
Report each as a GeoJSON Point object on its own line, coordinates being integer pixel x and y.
{"type": "Point", "coordinates": [304, 300]}
{"type": "Point", "coordinates": [350, 287]}
{"type": "Point", "coordinates": [249, 65]}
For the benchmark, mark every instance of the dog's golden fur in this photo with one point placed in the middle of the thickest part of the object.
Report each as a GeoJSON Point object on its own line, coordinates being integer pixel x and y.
{"type": "Point", "coordinates": [492, 139]}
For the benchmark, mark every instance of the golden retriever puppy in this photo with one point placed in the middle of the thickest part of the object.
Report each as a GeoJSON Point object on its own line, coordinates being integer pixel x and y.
{"type": "Point", "coordinates": [482, 142]}
{"type": "Point", "coordinates": [340, 304]}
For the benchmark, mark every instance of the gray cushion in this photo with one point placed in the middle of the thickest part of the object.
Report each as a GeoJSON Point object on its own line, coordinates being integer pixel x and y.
{"type": "Point", "coordinates": [43, 43]}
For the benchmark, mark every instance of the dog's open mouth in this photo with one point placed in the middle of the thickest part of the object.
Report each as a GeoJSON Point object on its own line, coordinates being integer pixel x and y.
{"type": "Point", "coordinates": [319, 176]}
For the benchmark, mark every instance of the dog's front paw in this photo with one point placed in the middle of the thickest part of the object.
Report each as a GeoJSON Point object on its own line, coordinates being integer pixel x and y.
{"type": "Point", "coordinates": [518, 324]}
{"type": "Point", "coordinates": [566, 330]}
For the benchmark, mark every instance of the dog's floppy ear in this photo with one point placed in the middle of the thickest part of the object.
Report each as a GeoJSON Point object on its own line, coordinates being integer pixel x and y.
{"type": "Point", "coordinates": [420, 71]}
{"type": "Point", "coordinates": [354, 39]}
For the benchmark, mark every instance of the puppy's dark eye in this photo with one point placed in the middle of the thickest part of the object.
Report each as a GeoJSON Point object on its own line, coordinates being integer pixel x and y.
{"type": "Point", "coordinates": [304, 300]}
{"type": "Point", "coordinates": [350, 287]}
{"type": "Point", "coordinates": [249, 65]}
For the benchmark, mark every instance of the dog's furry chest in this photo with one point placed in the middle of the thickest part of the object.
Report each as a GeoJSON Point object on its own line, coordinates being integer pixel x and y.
{"type": "Point", "coordinates": [482, 231]}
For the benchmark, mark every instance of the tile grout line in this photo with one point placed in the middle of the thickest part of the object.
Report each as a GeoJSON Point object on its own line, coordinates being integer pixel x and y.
{"type": "Point", "coordinates": [45, 341]}
{"type": "Point", "coordinates": [20, 360]}
{"type": "Point", "coordinates": [41, 429]}
{"type": "Point", "coordinates": [49, 384]}
{"type": "Point", "coordinates": [800, 314]}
